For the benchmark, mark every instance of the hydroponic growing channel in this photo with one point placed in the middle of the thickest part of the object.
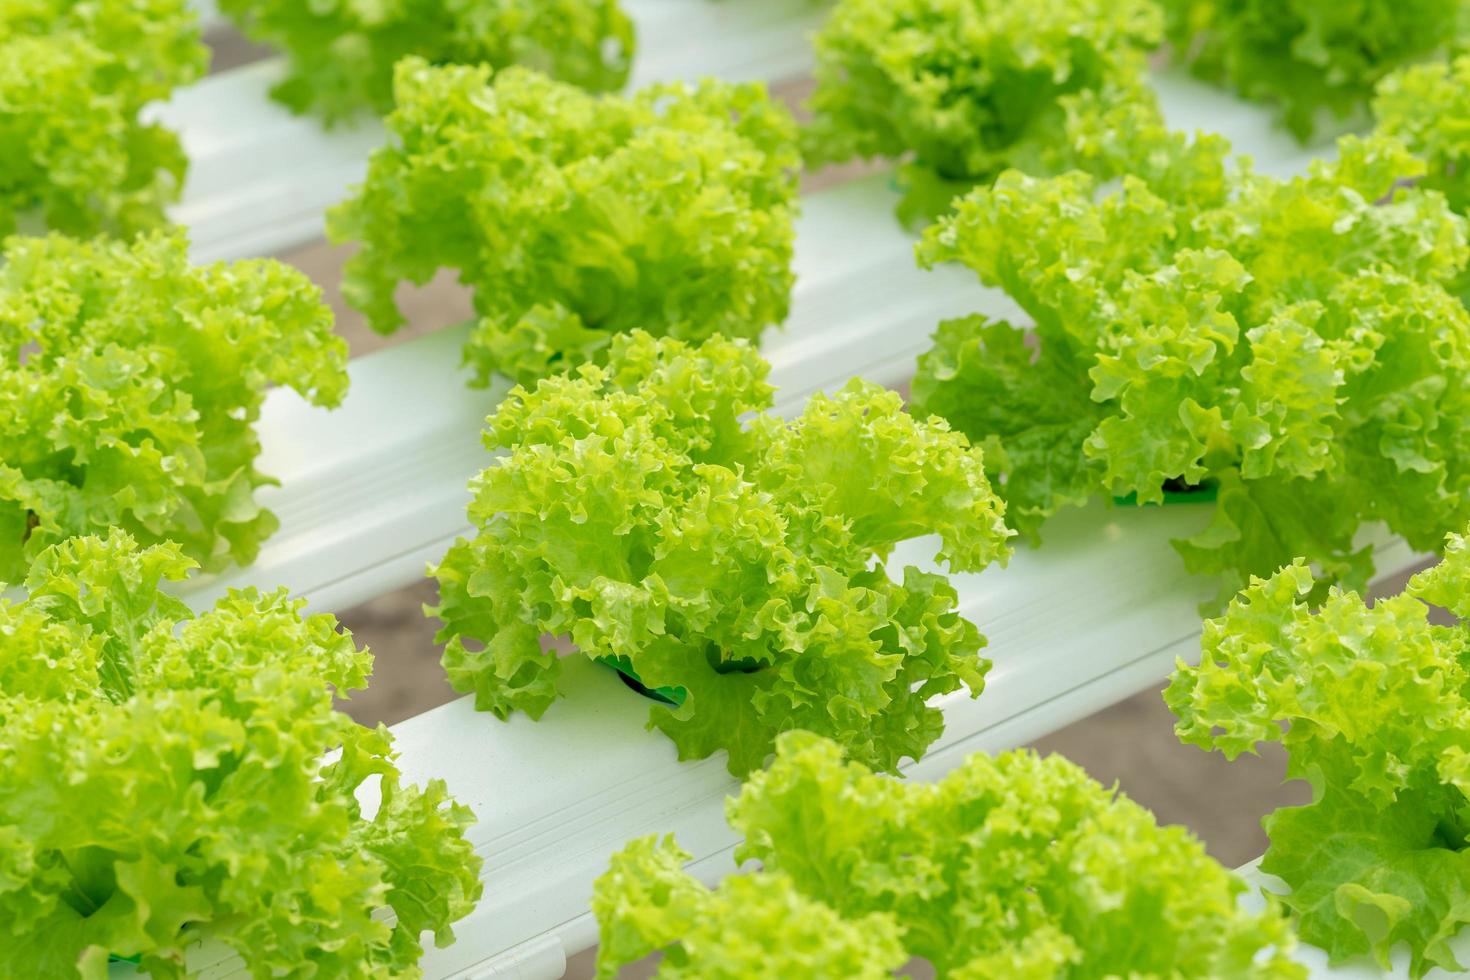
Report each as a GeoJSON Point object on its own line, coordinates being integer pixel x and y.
{"type": "Point", "coordinates": [370, 494]}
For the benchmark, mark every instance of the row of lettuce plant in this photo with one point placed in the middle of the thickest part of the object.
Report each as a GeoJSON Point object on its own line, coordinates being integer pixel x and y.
{"type": "Point", "coordinates": [961, 90]}
{"type": "Point", "coordinates": [167, 779]}
{"type": "Point", "coordinates": [671, 212]}
{"type": "Point", "coordinates": [977, 81]}
{"type": "Point", "coordinates": [958, 90]}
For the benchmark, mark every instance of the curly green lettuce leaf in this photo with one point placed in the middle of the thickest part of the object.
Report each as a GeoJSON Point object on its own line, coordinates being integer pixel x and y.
{"type": "Point", "coordinates": [130, 382]}
{"type": "Point", "coordinates": [1033, 433]}
{"type": "Point", "coordinates": [634, 513]}
{"type": "Point", "coordinates": [342, 53]}
{"type": "Point", "coordinates": [1013, 866]}
{"type": "Point", "coordinates": [166, 780]}
{"type": "Point", "coordinates": [1447, 584]}
{"type": "Point", "coordinates": [960, 90]}
{"type": "Point", "coordinates": [576, 217]}
{"type": "Point", "coordinates": [751, 925]}
{"type": "Point", "coordinates": [1428, 108]}
{"type": "Point", "coordinates": [1372, 704]}
{"type": "Point", "coordinates": [1310, 58]}
{"type": "Point", "coordinates": [75, 155]}
{"type": "Point", "coordinates": [1290, 342]}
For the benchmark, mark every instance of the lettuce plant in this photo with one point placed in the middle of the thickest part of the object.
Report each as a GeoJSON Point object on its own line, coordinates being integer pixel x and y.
{"type": "Point", "coordinates": [576, 217]}
{"type": "Point", "coordinates": [342, 52]}
{"type": "Point", "coordinates": [1291, 343]}
{"type": "Point", "coordinates": [1309, 57]}
{"type": "Point", "coordinates": [1014, 866]}
{"type": "Point", "coordinates": [755, 925]}
{"type": "Point", "coordinates": [634, 512]}
{"type": "Point", "coordinates": [960, 90]}
{"type": "Point", "coordinates": [1428, 108]}
{"type": "Point", "coordinates": [74, 154]}
{"type": "Point", "coordinates": [164, 780]}
{"type": "Point", "coordinates": [1372, 704]}
{"type": "Point", "coordinates": [130, 381]}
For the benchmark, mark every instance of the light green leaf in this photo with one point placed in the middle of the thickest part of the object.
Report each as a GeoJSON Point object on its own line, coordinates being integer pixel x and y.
{"type": "Point", "coordinates": [961, 90]}
{"type": "Point", "coordinates": [1310, 58]}
{"type": "Point", "coordinates": [1009, 866]}
{"type": "Point", "coordinates": [752, 925]}
{"type": "Point", "coordinates": [342, 54]}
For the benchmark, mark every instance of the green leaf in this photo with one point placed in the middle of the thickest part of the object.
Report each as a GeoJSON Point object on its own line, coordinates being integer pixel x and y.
{"type": "Point", "coordinates": [575, 218]}
{"type": "Point", "coordinates": [1288, 341]}
{"type": "Point", "coordinates": [1427, 107]}
{"type": "Point", "coordinates": [1035, 429]}
{"type": "Point", "coordinates": [1309, 58]}
{"type": "Point", "coordinates": [751, 925]}
{"type": "Point", "coordinates": [75, 154]}
{"type": "Point", "coordinates": [165, 780]}
{"type": "Point", "coordinates": [1373, 707]}
{"type": "Point", "coordinates": [342, 55]}
{"type": "Point", "coordinates": [1365, 880]}
{"type": "Point", "coordinates": [638, 513]}
{"type": "Point", "coordinates": [962, 90]}
{"type": "Point", "coordinates": [130, 383]}
{"type": "Point", "coordinates": [1447, 584]}
{"type": "Point", "coordinates": [1009, 866]}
